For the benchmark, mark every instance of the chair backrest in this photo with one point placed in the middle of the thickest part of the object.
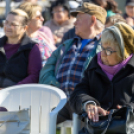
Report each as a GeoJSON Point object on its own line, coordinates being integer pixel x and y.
{"type": "Point", "coordinates": [40, 98]}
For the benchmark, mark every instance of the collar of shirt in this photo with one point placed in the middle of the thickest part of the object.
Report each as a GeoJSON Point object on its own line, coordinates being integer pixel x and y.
{"type": "Point", "coordinates": [84, 42]}
{"type": "Point", "coordinates": [98, 36]}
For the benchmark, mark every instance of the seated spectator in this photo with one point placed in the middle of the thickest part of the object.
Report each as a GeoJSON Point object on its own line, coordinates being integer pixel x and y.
{"type": "Point", "coordinates": [61, 21]}
{"type": "Point", "coordinates": [108, 80]}
{"type": "Point", "coordinates": [33, 1]}
{"type": "Point", "coordinates": [68, 35]}
{"type": "Point", "coordinates": [109, 22]}
{"type": "Point", "coordinates": [41, 35]}
{"type": "Point", "coordinates": [111, 6]}
{"type": "Point", "coordinates": [71, 33]}
{"type": "Point", "coordinates": [114, 19]}
{"type": "Point", "coordinates": [20, 60]}
{"type": "Point", "coordinates": [65, 67]}
{"type": "Point", "coordinates": [129, 15]}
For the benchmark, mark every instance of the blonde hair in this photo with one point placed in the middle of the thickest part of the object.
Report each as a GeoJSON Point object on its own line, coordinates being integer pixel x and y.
{"type": "Point", "coordinates": [108, 38]}
{"type": "Point", "coordinates": [30, 8]}
{"type": "Point", "coordinates": [22, 14]}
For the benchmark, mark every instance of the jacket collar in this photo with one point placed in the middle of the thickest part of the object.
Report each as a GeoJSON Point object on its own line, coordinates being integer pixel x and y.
{"type": "Point", "coordinates": [131, 61]}
{"type": "Point", "coordinates": [97, 37]}
{"type": "Point", "coordinates": [93, 64]}
{"type": "Point", "coordinates": [26, 43]}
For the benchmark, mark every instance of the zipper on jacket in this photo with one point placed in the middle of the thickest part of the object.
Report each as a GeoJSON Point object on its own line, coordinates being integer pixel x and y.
{"type": "Point", "coordinates": [5, 66]}
{"type": "Point", "coordinates": [112, 96]}
{"type": "Point", "coordinates": [7, 61]}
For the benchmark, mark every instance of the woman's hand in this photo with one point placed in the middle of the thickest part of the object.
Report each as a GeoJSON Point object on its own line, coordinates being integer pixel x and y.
{"type": "Point", "coordinates": [119, 106]}
{"type": "Point", "coordinates": [56, 39]}
{"type": "Point", "coordinates": [94, 112]}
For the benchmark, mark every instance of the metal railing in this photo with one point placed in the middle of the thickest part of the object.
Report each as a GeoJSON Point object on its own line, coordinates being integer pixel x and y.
{"type": "Point", "coordinates": [8, 6]}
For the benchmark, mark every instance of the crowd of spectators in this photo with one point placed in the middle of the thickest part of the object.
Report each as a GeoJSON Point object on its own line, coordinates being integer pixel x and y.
{"type": "Point", "coordinates": [85, 49]}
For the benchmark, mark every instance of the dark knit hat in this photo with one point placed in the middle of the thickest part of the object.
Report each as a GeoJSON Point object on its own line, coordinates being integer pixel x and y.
{"type": "Point", "coordinates": [130, 3]}
{"type": "Point", "coordinates": [92, 9]}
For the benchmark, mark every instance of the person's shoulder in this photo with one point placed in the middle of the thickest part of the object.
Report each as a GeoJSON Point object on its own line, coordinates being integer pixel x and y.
{"type": "Point", "coordinates": [44, 29]}
{"type": "Point", "coordinates": [68, 42]}
{"type": "Point", "coordinates": [3, 38]}
{"type": "Point", "coordinates": [49, 22]}
{"type": "Point", "coordinates": [27, 41]}
{"type": "Point", "coordinates": [71, 31]}
{"type": "Point", "coordinates": [93, 64]}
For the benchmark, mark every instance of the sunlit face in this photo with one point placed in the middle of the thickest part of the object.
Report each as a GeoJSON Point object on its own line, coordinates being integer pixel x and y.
{"type": "Point", "coordinates": [13, 26]}
{"type": "Point", "coordinates": [111, 59]}
{"type": "Point", "coordinates": [60, 14]}
{"type": "Point", "coordinates": [130, 11]}
{"type": "Point", "coordinates": [36, 22]}
{"type": "Point", "coordinates": [82, 23]}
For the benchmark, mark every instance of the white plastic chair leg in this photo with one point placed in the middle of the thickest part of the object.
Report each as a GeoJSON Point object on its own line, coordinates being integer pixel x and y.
{"type": "Point", "coordinates": [71, 130]}
{"type": "Point", "coordinates": [63, 130]}
{"type": "Point", "coordinates": [76, 124]}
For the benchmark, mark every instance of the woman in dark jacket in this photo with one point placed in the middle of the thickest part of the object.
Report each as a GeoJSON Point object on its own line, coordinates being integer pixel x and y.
{"type": "Point", "coordinates": [20, 58]}
{"type": "Point", "coordinates": [108, 82]}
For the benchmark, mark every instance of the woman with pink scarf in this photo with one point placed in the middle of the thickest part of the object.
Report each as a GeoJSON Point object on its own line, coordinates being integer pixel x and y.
{"type": "Point", "coordinates": [108, 82]}
{"type": "Point", "coordinates": [39, 33]}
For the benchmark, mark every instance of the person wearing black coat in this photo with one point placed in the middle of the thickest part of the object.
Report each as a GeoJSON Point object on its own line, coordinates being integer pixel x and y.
{"type": "Point", "coordinates": [68, 35]}
{"type": "Point", "coordinates": [20, 58]}
{"type": "Point", "coordinates": [108, 82]}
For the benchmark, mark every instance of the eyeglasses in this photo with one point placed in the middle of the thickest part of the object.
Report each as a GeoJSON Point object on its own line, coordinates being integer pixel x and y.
{"type": "Point", "coordinates": [107, 51]}
{"type": "Point", "coordinates": [11, 24]}
{"type": "Point", "coordinates": [38, 17]}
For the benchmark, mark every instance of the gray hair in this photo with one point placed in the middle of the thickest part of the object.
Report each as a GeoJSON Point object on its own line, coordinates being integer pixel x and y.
{"type": "Point", "coordinates": [109, 38]}
{"type": "Point", "coordinates": [99, 25]}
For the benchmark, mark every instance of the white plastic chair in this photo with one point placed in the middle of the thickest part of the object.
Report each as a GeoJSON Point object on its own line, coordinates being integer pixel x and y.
{"type": "Point", "coordinates": [41, 98]}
